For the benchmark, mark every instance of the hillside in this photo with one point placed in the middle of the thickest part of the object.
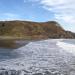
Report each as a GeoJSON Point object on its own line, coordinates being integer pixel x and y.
{"type": "Point", "coordinates": [33, 30]}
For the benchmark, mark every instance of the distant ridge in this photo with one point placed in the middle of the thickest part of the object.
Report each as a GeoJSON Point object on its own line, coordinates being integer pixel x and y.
{"type": "Point", "coordinates": [33, 30]}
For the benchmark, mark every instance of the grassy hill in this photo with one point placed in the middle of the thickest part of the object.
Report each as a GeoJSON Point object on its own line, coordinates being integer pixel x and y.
{"type": "Point", "coordinates": [33, 30]}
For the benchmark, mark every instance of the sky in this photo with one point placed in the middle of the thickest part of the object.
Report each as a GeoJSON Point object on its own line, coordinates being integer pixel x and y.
{"type": "Point", "coordinates": [62, 11]}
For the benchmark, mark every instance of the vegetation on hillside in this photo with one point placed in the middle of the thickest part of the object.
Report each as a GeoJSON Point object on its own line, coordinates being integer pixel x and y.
{"type": "Point", "coordinates": [33, 30]}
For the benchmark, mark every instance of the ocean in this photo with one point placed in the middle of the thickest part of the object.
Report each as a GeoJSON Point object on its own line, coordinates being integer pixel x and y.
{"type": "Point", "coordinates": [45, 57]}
{"type": "Point", "coordinates": [70, 41]}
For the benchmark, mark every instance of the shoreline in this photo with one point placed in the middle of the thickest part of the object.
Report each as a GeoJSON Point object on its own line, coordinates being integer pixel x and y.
{"type": "Point", "coordinates": [39, 57]}
{"type": "Point", "coordinates": [27, 38]}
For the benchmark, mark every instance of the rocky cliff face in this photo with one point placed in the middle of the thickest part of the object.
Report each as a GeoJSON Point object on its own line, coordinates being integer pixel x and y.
{"type": "Point", "coordinates": [34, 30]}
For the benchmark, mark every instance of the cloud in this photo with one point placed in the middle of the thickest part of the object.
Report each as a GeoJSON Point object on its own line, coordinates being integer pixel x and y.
{"type": "Point", "coordinates": [9, 16]}
{"type": "Point", "coordinates": [25, 1]}
{"type": "Point", "coordinates": [63, 10]}
{"type": "Point", "coordinates": [52, 2]}
{"type": "Point", "coordinates": [60, 7]}
{"type": "Point", "coordinates": [33, 0]}
{"type": "Point", "coordinates": [30, 1]}
{"type": "Point", "coordinates": [67, 18]}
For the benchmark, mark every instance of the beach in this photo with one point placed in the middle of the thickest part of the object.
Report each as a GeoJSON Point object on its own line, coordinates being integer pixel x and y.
{"type": "Point", "coordinates": [44, 57]}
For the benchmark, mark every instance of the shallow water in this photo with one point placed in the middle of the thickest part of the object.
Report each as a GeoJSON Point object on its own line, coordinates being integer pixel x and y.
{"type": "Point", "coordinates": [7, 48]}
{"type": "Point", "coordinates": [71, 41]}
{"type": "Point", "coordinates": [12, 44]}
{"type": "Point", "coordinates": [37, 57]}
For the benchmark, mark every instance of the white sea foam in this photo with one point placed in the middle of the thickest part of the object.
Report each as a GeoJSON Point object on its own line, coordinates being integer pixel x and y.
{"type": "Point", "coordinates": [67, 46]}
{"type": "Point", "coordinates": [38, 57]}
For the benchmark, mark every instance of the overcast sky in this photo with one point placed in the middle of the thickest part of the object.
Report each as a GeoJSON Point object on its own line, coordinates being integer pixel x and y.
{"type": "Point", "coordinates": [62, 11]}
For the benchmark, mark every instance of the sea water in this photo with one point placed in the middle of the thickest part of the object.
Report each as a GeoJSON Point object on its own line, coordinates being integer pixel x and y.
{"type": "Point", "coordinates": [46, 57]}
{"type": "Point", "coordinates": [70, 41]}
{"type": "Point", "coordinates": [68, 45]}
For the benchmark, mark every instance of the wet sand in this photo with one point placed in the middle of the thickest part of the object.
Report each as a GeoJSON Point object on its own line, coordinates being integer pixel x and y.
{"type": "Point", "coordinates": [12, 44]}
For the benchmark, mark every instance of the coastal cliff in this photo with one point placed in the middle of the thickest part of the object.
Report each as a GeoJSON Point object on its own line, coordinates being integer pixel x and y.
{"type": "Point", "coordinates": [33, 30]}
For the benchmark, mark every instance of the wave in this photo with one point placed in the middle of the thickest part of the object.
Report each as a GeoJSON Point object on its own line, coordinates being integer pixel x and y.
{"type": "Point", "coordinates": [37, 58]}
{"type": "Point", "coordinates": [69, 47]}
